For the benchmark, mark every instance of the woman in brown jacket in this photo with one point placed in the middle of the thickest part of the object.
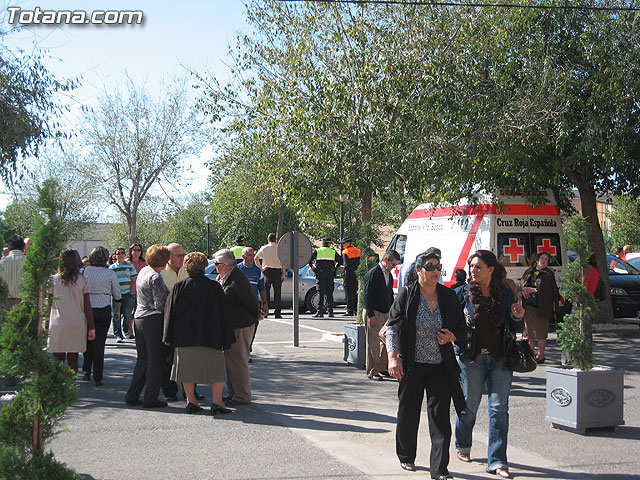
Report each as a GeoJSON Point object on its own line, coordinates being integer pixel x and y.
{"type": "Point", "coordinates": [540, 299]}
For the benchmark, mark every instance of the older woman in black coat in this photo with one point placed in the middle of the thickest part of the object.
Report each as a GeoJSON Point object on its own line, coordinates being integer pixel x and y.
{"type": "Point", "coordinates": [425, 319]}
{"type": "Point", "coordinates": [197, 324]}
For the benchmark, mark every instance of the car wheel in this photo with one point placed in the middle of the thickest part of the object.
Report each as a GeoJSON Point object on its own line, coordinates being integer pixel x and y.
{"type": "Point", "coordinates": [311, 301]}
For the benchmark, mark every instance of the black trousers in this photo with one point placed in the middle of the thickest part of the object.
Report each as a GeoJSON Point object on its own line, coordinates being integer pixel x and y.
{"type": "Point", "coordinates": [169, 387]}
{"type": "Point", "coordinates": [147, 373]}
{"type": "Point", "coordinates": [272, 278]}
{"type": "Point", "coordinates": [433, 379]}
{"type": "Point", "coordinates": [94, 356]}
{"type": "Point", "coordinates": [325, 290]}
{"type": "Point", "coordinates": [351, 290]}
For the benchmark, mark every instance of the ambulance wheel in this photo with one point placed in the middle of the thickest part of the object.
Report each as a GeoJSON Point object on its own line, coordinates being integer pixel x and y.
{"type": "Point", "coordinates": [311, 301]}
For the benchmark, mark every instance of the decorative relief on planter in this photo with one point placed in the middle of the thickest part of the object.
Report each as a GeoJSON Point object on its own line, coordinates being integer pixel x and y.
{"type": "Point", "coordinates": [600, 398]}
{"type": "Point", "coordinates": [561, 396]}
{"type": "Point", "coordinates": [351, 343]}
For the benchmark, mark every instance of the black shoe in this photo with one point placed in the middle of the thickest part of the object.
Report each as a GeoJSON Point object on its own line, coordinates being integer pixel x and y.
{"type": "Point", "coordinates": [171, 398]}
{"type": "Point", "coordinates": [385, 374]}
{"type": "Point", "coordinates": [234, 403]}
{"type": "Point", "coordinates": [277, 315]}
{"type": "Point", "coordinates": [348, 313]}
{"type": "Point", "coordinates": [134, 403]}
{"type": "Point", "coordinates": [191, 408]}
{"type": "Point", "coordinates": [408, 466]}
{"type": "Point", "coordinates": [86, 377]}
{"type": "Point", "coordinates": [318, 315]}
{"type": "Point", "coordinates": [250, 360]}
{"type": "Point", "coordinates": [156, 404]}
{"type": "Point", "coordinates": [218, 409]}
{"type": "Point", "coordinates": [377, 377]}
{"type": "Point", "coordinates": [99, 383]}
{"type": "Point", "coordinates": [330, 313]}
{"type": "Point", "coordinates": [539, 360]}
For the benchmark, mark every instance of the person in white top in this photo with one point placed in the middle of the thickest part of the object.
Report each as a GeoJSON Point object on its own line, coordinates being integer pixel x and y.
{"type": "Point", "coordinates": [268, 260]}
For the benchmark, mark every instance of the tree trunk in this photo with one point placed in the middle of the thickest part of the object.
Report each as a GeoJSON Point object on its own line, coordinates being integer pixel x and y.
{"type": "Point", "coordinates": [590, 212]}
{"type": "Point", "coordinates": [280, 227]}
{"type": "Point", "coordinates": [365, 197]}
{"type": "Point", "coordinates": [132, 223]}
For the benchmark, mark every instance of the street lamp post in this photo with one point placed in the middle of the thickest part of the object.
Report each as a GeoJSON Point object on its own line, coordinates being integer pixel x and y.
{"type": "Point", "coordinates": [342, 199]}
{"type": "Point", "coordinates": [208, 220]}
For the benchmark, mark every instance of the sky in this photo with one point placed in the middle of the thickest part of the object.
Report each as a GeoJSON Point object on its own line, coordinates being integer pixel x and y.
{"type": "Point", "coordinates": [195, 34]}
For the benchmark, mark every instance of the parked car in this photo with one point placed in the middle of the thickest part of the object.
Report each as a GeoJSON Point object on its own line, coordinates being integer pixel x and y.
{"type": "Point", "coordinates": [308, 291]}
{"type": "Point", "coordinates": [624, 282]}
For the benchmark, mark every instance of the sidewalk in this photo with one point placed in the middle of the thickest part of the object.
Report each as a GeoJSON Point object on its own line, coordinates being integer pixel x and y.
{"type": "Point", "coordinates": [315, 417]}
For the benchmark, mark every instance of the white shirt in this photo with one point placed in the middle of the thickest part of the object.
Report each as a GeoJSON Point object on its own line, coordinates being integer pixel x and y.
{"type": "Point", "coordinates": [268, 256]}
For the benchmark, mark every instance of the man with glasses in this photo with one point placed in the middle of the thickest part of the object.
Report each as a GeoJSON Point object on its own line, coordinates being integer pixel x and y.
{"type": "Point", "coordinates": [126, 274]}
{"type": "Point", "coordinates": [378, 298]}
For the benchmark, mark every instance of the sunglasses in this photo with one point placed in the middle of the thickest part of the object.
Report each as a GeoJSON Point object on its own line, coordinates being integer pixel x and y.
{"type": "Point", "coordinates": [430, 267]}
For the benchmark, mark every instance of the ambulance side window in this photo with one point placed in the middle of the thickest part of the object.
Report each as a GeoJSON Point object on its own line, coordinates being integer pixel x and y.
{"type": "Point", "coordinates": [514, 249]}
{"type": "Point", "coordinates": [399, 243]}
{"type": "Point", "coordinates": [547, 242]}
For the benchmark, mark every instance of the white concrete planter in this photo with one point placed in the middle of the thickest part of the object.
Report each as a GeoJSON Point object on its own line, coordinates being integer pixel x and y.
{"type": "Point", "coordinates": [355, 345]}
{"type": "Point", "coordinates": [582, 399]}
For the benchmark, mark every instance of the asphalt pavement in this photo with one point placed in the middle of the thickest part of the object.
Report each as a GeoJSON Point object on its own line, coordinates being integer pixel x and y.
{"type": "Point", "coordinates": [313, 416]}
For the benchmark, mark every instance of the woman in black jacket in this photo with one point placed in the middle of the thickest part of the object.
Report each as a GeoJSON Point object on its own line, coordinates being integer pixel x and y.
{"type": "Point", "coordinates": [197, 325]}
{"type": "Point", "coordinates": [424, 320]}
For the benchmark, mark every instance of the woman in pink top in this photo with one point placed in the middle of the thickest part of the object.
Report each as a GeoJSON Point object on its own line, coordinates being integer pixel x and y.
{"type": "Point", "coordinates": [135, 257]}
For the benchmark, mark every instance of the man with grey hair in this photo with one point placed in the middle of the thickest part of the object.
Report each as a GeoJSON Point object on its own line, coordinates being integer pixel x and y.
{"type": "Point", "coordinates": [244, 312]}
{"type": "Point", "coordinates": [378, 298]}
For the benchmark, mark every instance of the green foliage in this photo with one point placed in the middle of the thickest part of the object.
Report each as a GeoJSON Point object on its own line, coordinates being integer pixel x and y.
{"type": "Point", "coordinates": [15, 465]}
{"type": "Point", "coordinates": [625, 219]}
{"type": "Point", "coordinates": [29, 105]}
{"type": "Point", "coordinates": [48, 385]}
{"type": "Point", "coordinates": [574, 332]}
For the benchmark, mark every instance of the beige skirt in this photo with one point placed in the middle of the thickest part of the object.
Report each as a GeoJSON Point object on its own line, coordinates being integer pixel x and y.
{"type": "Point", "coordinates": [198, 365]}
{"type": "Point", "coordinates": [535, 327]}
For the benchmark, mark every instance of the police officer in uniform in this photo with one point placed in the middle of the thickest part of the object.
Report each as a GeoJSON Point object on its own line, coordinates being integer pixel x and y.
{"type": "Point", "coordinates": [351, 259]}
{"type": "Point", "coordinates": [237, 250]}
{"type": "Point", "coordinates": [324, 262]}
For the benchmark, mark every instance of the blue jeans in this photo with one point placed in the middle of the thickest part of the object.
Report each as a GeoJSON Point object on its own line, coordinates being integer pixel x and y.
{"type": "Point", "coordinates": [126, 314]}
{"type": "Point", "coordinates": [485, 368]}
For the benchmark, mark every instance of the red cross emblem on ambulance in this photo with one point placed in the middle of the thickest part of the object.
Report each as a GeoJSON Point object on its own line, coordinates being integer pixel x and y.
{"type": "Point", "coordinates": [396, 273]}
{"type": "Point", "coordinates": [513, 250]}
{"type": "Point", "coordinates": [547, 247]}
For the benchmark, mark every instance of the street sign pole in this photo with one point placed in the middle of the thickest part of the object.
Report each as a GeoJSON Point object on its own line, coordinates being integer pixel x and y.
{"type": "Point", "coordinates": [294, 250]}
{"type": "Point", "coordinates": [296, 291]}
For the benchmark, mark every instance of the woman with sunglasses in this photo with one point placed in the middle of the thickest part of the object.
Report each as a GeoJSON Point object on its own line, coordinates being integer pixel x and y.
{"type": "Point", "coordinates": [135, 257]}
{"type": "Point", "coordinates": [491, 311]}
{"type": "Point", "coordinates": [425, 319]}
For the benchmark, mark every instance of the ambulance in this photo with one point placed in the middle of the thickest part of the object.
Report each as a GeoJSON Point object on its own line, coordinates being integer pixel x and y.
{"type": "Point", "coordinates": [515, 232]}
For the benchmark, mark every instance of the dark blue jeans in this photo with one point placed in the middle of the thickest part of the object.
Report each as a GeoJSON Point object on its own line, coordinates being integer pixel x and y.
{"type": "Point", "coordinates": [121, 325]}
{"type": "Point", "coordinates": [485, 368]}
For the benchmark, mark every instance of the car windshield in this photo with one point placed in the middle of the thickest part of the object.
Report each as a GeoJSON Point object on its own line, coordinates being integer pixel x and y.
{"type": "Point", "coordinates": [621, 267]}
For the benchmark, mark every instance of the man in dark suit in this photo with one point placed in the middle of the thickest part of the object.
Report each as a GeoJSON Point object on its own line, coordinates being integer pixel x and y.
{"type": "Point", "coordinates": [378, 297]}
{"type": "Point", "coordinates": [244, 311]}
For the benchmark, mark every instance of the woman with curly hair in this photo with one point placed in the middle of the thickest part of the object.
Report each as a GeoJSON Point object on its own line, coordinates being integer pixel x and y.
{"type": "Point", "coordinates": [491, 311]}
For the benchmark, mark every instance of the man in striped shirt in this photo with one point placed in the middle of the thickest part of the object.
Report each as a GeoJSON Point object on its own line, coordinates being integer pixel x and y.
{"type": "Point", "coordinates": [126, 274]}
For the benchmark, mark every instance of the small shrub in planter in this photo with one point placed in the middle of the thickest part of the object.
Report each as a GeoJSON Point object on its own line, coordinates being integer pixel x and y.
{"type": "Point", "coordinates": [580, 396]}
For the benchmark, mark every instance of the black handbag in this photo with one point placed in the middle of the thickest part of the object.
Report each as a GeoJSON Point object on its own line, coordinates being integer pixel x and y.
{"type": "Point", "coordinates": [518, 355]}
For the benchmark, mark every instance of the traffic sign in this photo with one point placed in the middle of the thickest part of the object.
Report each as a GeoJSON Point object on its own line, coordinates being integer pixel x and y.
{"type": "Point", "coordinates": [294, 250]}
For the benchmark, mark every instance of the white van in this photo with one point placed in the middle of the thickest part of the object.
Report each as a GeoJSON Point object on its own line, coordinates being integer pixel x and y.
{"type": "Point", "coordinates": [515, 234]}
